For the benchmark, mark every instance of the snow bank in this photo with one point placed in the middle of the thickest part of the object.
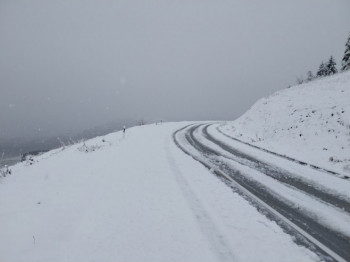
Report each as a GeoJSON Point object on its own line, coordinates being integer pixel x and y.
{"type": "Point", "coordinates": [308, 122]}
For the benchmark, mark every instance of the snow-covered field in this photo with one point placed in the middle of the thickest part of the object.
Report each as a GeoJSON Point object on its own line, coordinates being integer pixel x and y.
{"type": "Point", "coordinates": [308, 122]}
{"type": "Point", "coordinates": [131, 198]}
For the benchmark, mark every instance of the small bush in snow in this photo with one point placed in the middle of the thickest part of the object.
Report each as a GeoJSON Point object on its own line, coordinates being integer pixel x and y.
{"type": "Point", "coordinates": [336, 160]}
{"type": "Point", "coordinates": [85, 148]}
{"type": "Point", "coordinates": [5, 171]}
{"type": "Point", "coordinates": [30, 160]}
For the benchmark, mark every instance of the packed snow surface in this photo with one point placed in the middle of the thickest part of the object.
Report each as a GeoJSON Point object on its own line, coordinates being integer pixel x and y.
{"type": "Point", "coordinates": [132, 197]}
{"type": "Point", "coordinates": [333, 218]}
{"type": "Point", "coordinates": [308, 122]}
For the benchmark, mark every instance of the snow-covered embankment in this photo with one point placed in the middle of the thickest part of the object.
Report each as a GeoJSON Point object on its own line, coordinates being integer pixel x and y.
{"type": "Point", "coordinates": [308, 122]}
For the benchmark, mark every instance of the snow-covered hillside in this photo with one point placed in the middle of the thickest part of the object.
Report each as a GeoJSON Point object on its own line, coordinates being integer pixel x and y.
{"type": "Point", "coordinates": [308, 122]}
{"type": "Point", "coordinates": [134, 198]}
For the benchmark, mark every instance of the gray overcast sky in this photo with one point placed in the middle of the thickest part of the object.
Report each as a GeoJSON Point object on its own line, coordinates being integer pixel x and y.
{"type": "Point", "coordinates": [66, 65]}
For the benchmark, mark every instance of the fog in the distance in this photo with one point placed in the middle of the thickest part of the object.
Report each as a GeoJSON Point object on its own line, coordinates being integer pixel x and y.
{"type": "Point", "coordinates": [66, 66]}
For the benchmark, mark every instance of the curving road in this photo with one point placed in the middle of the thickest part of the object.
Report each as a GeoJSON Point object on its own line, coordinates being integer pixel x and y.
{"type": "Point", "coordinates": [265, 189]}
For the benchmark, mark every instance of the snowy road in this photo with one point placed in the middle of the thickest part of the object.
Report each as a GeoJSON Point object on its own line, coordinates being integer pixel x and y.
{"type": "Point", "coordinates": [314, 210]}
{"type": "Point", "coordinates": [137, 197]}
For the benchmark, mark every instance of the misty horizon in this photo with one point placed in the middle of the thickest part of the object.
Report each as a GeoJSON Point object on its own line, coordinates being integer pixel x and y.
{"type": "Point", "coordinates": [67, 66]}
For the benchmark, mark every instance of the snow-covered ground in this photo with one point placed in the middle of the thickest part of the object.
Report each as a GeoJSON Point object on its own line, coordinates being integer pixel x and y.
{"type": "Point", "coordinates": [308, 122]}
{"type": "Point", "coordinates": [333, 218]}
{"type": "Point", "coordinates": [310, 195]}
{"type": "Point", "coordinates": [138, 197]}
{"type": "Point", "coordinates": [131, 198]}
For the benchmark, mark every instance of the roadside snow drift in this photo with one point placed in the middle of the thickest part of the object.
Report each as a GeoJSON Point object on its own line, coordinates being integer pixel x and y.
{"type": "Point", "coordinates": [308, 122]}
{"type": "Point", "coordinates": [135, 197]}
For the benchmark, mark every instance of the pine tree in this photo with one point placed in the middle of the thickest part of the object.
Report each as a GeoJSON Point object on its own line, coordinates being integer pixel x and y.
{"type": "Point", "coordinates": [345, 63]}
{"type": "Point", "coordinates": [321, 70]}
{"type": "Point", "coordinates": [310, 76]}
{"type": "Point", "coordinates": [330, 68]}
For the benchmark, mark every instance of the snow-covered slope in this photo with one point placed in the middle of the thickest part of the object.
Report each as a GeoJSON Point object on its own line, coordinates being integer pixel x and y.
{"type": "Point", "coordinates": [308, 122]}
{"type": "Point", "coordinates": [131, 198]}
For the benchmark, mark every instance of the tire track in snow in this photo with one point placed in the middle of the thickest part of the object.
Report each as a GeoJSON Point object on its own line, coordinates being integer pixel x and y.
{"type": "Point", "coordinates": [284, 156]}
{"type": "Point", "coordinates": [280, 174]}
{"type": "Point", "coordinates": [291, 217]}
{"type": "Point", "coordinates": [215, 238]}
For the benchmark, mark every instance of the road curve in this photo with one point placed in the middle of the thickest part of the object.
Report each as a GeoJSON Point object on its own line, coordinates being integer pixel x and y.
{"type": "Point", "coordinates": [281, 175]}
{"type": "Point", "coordinates": [328, 244]}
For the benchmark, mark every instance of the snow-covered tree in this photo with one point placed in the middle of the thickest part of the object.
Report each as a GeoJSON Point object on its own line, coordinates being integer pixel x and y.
{"type": "Point", "coordinates": [321, 70]}
{"type": "Point", "coordinates": [330, 68]}
{"type": "Point", "coordinates": [345, 63]}
{"type": "Point", "coordinates": [300, 80]}
{"type": "Point", "coordinates": [310, 76]}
